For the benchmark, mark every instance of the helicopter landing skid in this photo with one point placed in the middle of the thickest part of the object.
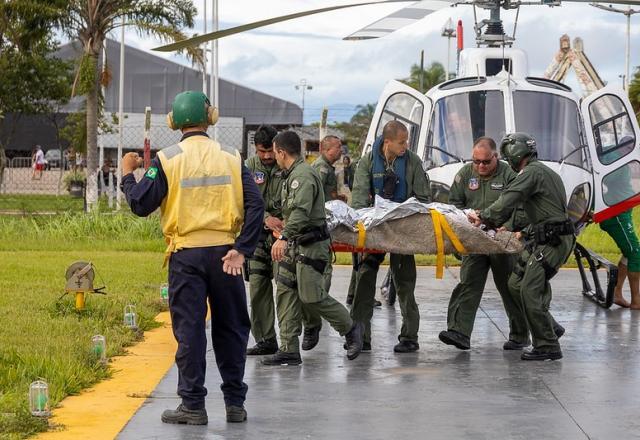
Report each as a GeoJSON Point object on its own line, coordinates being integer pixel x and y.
{"type": "Point", "coordinates": [595, 262]}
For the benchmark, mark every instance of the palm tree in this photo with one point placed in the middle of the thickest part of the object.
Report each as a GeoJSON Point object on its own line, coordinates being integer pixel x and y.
{"type": "Point", "coordinates": [433, 75]}
{"type": "Point", "coordinates": [634, 92]}
{"type": "Point", "coordinates": [90, 21]}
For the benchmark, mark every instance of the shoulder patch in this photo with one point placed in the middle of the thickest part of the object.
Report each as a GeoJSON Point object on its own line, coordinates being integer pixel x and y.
{"type": "Point", "coordinates": [258, 176]}
{"type": "Point", "coordinates": [474, 184]}
{"type": "Point", "coordinates": [152, 173]}
{"type": "Point", "coordinates": [458, 178]}
{"type": "Point", "coordinates": [295, 184]}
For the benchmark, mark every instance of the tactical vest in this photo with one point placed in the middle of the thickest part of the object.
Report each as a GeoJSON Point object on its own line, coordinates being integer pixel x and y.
{"type": "Point", "coordinates": [204, 204]}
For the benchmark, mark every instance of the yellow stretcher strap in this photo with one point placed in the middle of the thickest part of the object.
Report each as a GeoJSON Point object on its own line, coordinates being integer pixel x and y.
{"type": "Point", "coordinates": [441, 227]}
{"type": "Point", "coordinates": [436, 218]}
{"type": "Point", "coordinates": [362, 235]}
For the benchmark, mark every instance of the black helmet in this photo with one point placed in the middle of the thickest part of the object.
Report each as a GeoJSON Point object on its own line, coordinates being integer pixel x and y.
{"type": "Point", "coordinates": [516, 146]}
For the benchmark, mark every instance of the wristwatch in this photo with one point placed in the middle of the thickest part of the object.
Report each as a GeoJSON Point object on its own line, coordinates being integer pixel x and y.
{"type": "Point", "coordinates": [282, 237]}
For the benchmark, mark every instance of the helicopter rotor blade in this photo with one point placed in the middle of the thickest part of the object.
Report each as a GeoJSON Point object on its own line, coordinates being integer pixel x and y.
{"type": "Point", "coordinates": [196, 41]}
{"type": "Point", "coordinates": [399, 19]}
{"type": "Point", "coordinates": [608, 2]}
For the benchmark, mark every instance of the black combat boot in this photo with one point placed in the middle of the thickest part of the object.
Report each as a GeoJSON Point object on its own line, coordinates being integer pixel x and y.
{"type": "Point", "coordinates": [354, 340]}
{"type": "Point", "coordinates": [535, 355]}
{"type": "Point", "coordinates": [406, 347]}
{"type": "Point", "coordinates": [236, 414]}
{"type": "Point", "coordinates": [310, 337]}
{"type": "Point", "coordinates": [282, 358]}
{"type": "Point", "coordinates": [514, 345]}
{"type": "Point", "coordinates": [184, 416]}
{"type": "Point", "coordinates": [266, 346]}
{"type": "Point", "coordinates": [457, 339]}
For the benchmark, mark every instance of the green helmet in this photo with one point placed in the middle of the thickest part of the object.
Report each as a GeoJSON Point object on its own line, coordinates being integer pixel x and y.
{"type": "Point", "coordinates": [190, 109]}
{"type": "Point", "coordinates": [516, 146]}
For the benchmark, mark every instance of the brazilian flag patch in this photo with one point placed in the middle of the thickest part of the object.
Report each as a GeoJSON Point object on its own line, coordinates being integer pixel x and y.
{"type": "Point", "coordinates": [152, 173]}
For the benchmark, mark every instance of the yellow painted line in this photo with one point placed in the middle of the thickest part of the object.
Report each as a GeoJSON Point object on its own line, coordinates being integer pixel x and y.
{"type": "Point", "coordinates": [102, 411]}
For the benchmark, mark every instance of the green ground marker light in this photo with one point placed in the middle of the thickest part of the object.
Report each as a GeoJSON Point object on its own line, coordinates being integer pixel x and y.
{"type": "Point", "coordinates": [39, 398]}
{"type": "Point", "coordinates": [99, 348]}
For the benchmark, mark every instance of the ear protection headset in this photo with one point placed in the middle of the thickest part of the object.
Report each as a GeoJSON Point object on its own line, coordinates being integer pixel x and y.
{"type": "Point", "coordinates": [212, 116]}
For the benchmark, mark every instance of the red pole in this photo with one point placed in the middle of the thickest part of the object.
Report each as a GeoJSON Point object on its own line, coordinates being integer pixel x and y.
{"type": "Point", "coordinates": [147, 140]}
{"type": "Point", "coordinates": [460, 35]}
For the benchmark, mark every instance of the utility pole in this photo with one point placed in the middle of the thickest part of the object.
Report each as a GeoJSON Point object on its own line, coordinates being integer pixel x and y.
{"type": "Point", "coordinates": [449, 32]}
{"type": "Point", "coordinates": [304, 87]}
{"type": "Point", "coordinates": [422, 71]}
{"type": "Point", "coordinates": [215, 78]}
{"type": "Point", "coordinates": [204, 52]}
{"type": "Point", "coordinates": [120, 116]}
{"type": "Point", "coordinates": [628, 13]}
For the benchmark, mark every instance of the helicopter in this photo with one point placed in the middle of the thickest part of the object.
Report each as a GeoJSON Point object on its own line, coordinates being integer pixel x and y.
{"type": "Point", "coordinates": [593, 143]}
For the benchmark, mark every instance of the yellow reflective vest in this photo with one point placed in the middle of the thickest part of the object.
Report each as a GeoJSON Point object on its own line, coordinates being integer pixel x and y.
{"type": "Point", "coordinates": [204, 203]}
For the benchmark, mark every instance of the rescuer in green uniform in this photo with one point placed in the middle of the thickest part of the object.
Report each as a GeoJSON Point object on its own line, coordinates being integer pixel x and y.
{"type": "Point", "coordinates": [476, 186]}
{"type": "Point", "coordinates": [551, 238]}
{"type": "Point", "coordinates": [393, 172]}
{"type": "Point", "coordinates": [304, 256]}
{"type": "Point", "coordinates": [268, 177]}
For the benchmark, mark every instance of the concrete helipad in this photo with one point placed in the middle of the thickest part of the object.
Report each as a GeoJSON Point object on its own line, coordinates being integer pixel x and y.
{"type": "Point", "coordinates": [438, 392]}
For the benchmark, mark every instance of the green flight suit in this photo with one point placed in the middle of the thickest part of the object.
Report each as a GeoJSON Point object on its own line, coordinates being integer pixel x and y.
{"type": "Point", "coordinates": [542, 195]}
{"type": "Point", "coordinates": [403, 267]}
{"type": "Point", "coordinates": [261, 267]}
{"type": "Point", "coordinates": [299, 282]}
{"type": "Point", "coordinates": [327, 174]}
{"type": "Point", "coordinates": [471, 191]}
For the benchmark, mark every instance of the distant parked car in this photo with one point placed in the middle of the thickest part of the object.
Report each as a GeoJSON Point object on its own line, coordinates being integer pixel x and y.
{"type": "Point", "coordinates": [53, 159]}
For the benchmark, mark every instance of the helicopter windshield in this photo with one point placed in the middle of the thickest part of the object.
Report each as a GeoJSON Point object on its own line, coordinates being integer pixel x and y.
{"type": "Point", "coordinates": [554, 123]}
{"type": "Point", "coordinates": [459, 119]}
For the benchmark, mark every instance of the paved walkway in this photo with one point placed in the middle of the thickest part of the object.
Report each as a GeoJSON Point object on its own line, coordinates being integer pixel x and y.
{"type": "Point", "coordinates": [439, 392]}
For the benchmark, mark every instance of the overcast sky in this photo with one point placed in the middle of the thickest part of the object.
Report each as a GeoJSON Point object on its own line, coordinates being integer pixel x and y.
{"type": "Point", "coordinates": [348, 73]}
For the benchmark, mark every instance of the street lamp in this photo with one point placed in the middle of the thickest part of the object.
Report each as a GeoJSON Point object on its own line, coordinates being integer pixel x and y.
{"type": "Point", "coordinates": [304, 87]}
{"type": "Point", "coordinates": [628, 12]}
{"type": "Point", "coordinates": [449, 32]}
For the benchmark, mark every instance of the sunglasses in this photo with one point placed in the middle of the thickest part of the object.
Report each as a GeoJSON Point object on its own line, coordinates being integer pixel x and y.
{"type": "Point", "coordinates": [483, 162]}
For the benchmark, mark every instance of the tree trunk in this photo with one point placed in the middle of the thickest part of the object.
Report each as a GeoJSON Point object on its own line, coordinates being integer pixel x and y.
{"type": "Point", "coordinates": [92, 138]}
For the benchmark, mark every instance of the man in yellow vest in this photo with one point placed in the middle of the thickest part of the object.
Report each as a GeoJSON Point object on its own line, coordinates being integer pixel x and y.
{"type": "Point", "coordinates": [211, 213]}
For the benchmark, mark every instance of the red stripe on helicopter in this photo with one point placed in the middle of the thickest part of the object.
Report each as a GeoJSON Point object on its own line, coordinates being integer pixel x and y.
{"type": "Point", "coordinates": [616, 209]}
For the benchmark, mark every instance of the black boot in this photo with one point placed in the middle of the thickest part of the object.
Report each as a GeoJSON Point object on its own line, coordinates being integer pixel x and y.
{"type": "Point", "coordinates": [184, 416]}
{"type": "Point", "coordinates": [236, 414]}
{"type": "Point", "coordinates": [535, 355]}
{"type": "Point", "coordinates": [282, 358]}
{"type": "Point", "coordinates": [266, 346]}
{"type": "Point", "coordinates": [514, 345]}
{"type": "Point", "coordinates": [457, 339]}
{"type": "Point", "coordinates": [406, 347]}
{"type": "Point", "coordinates": [310, 338]}
{"type": "Point", "coordinates": [558, 329]}
{"type": "Point", "coordinates": [354, 340]}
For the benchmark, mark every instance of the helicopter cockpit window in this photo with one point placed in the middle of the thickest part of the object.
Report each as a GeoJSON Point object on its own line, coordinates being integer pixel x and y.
{"type": "Point", "coordinates": [459, 119]}
{"type": "Point", "coordinates": [612, 129]}
{"type": "Point", "coordinates": [406, 109]}
{"type": "Point", "coordinates": [554, 122]}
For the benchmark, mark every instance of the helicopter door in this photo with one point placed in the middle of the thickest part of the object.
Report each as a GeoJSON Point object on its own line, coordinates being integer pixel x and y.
{"type": "Point", "coordinates": [401, 103]}
{"type": "Point", "coordinates": [614, 146]}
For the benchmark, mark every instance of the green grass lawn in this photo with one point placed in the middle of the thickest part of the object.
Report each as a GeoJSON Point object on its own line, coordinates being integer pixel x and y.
{"type": "Point", "coordinates": [30, 203]}
{"type": "Point", "coordinates": [44, 337]}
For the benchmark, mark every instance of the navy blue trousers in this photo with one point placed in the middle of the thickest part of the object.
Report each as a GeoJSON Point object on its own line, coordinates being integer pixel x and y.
{"type": "Point", "coordinates": [195, 276]}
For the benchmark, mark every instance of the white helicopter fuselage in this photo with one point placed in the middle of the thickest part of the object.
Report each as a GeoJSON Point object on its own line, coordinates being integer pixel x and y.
{"type": "Point", "coordinates": [494, 95]}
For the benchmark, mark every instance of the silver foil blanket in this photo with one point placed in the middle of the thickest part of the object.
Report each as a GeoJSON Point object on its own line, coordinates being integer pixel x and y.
{"type": "Point", "coordinates": [407, 228]}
